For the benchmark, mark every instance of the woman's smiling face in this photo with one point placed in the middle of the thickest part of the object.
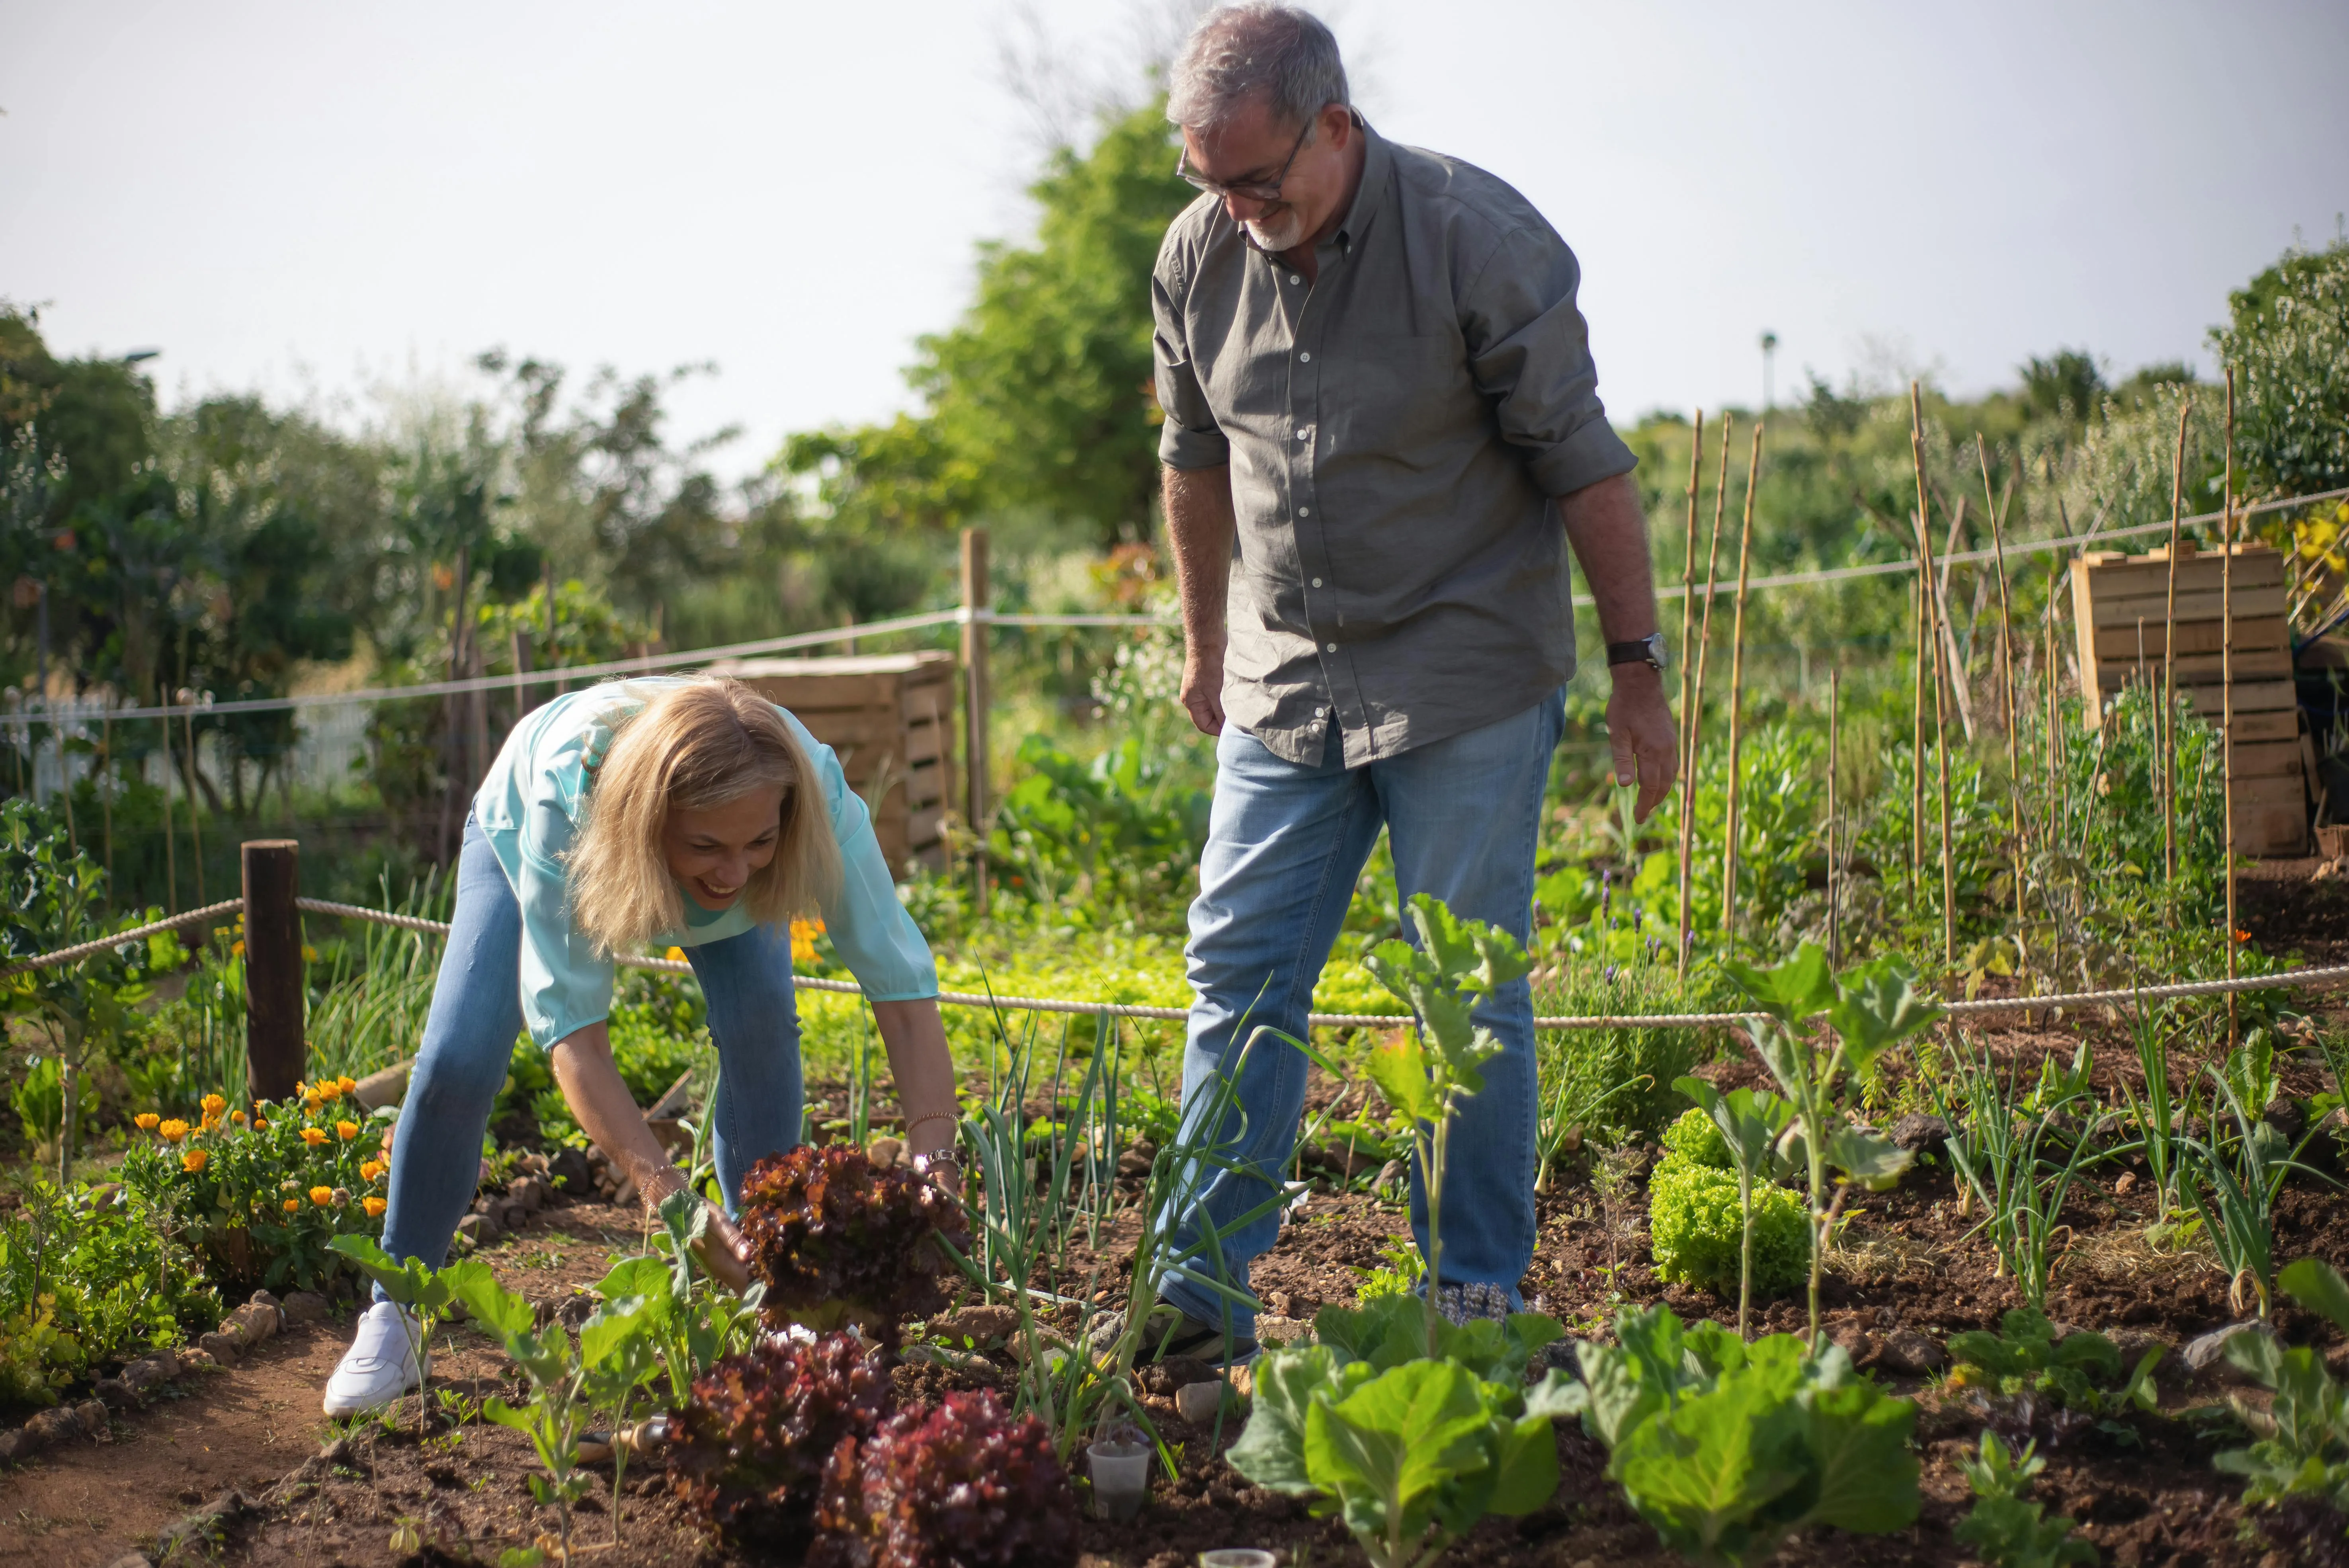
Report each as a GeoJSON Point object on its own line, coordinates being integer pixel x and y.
{"type": "Point", "coordinates": [713, 852]}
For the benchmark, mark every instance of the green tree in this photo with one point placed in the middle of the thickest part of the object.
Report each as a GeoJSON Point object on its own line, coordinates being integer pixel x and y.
{"type": "Point", "coordinates": [2287, 343]}
{"type": "Point", "coordinates": [1039, 400]}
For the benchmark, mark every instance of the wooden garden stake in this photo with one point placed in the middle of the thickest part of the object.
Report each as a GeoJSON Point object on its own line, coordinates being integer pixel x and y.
{"type": "Point", "coordinates": [1738, 691]}
{"type": "Point", "coordinates": [195, 823]}
{"type": "Point", "coordinates": [2055, 801]}
{"type": "Point", "coordinates": [273, 969]}
{"type": "Point", "coordinates": [1696, 702]}
{"type": "Point", "coordinates": [2168, 736]}
{"type": "Point", "coordinates": [2006, 663]}
{"type": "Point", "coordinates": [975, 701]}
{"type": "Point", "coordinates": [2226, 682]}
{"type": "Point", "coordinates": [1835, 713]}
{"type": "Point", "coordinates": [1941, 668]}
{"type": "Point", "coordinates": [1917, 730]}
{"type": "Point", "coordinates": [171, 839]}
{"type": "Point", "coordinates": [1688, 676]}
{"type": "Point", "coordinates": [106, 798]}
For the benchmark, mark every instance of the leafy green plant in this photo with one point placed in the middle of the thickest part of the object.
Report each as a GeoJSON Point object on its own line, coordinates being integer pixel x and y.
{"type": "Point", "coordinates": [750, 1440]}
{"type": "Point", "coordinates": [422, 1295]}
{"type": "Point", "coordinates": [88, 1278]}
{"type": "Point", "coordinates": [2232, 1182]}
{"type": "Point", "coordinates": [1868, 1011]}
{"type": "Point", "coordinates": [1706, 1230]}
{"type": "Point", "coordinates": [689, 1319]}
{"type": "Point", "coordinates": [1727, 1447]}
{"type": "Point", "coordinates": [1410, 1450]}
{"type": "Point", "coordinates": [2007, 1531]}
{"type": "Point", "coordinates": [839, 1240]}
{"type": "Point", "coordinates": [964, 1485]}
{"type": "Point", "coordinates": [1426, 1071]}
{"type": "Point", "coordinates": [2156, 1114]}
{"type": "Point", "coordinates": [2082, 1369]}
{"type": "Point", "coordinates": [2302, 1440]}
{"type": "Point", "coordinates": [1747, 1125]}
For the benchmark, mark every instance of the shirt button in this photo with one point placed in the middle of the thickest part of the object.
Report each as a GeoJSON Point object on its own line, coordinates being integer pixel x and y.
{"type": "Point", "coordinates": [1329, 647]}
{"type": "Point", "coordinates": [1306, 358]}
{"type": "Point", "coordinates": [1295, 279]}
{"type": "Point", "coordinates": [1305, 511]}
{"type": "Point", "coordinates": [1301, 435]}
{"type": "Point", "coordinates": [1319, 711]}
{"type": "Point", "coordinates": [1316, 583]}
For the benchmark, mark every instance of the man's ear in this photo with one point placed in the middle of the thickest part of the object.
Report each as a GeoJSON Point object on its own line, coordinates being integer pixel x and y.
{"type": "Point", "coordinates": [1336, 124]}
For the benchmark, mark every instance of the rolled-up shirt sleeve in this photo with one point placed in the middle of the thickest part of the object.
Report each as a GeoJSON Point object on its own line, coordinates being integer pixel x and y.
{"type": "Point", "coordinates": [870, 929]}
{"type": "Point", "coordinates": [1529, 351]}
{"type": "Point", "coordinates": [1190, 438]}
{"type": "Point", "coordinates": [565, 984]}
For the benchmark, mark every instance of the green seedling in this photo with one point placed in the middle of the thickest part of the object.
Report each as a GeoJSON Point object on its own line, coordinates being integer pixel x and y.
{"type": "Point", "coordinates": [2006, 1530]}
{"type": "Point", "coordinates": [2233, 1182]}
{"type": "Point", "coordinates": [689, 1318]}
{"type": "Point", "coordinates": [2302, 1446]}
{"type": "Point", "coordinates": [1751, 1124]}
{"type": "Point", "coordinates": [1867, 1012]}
{"type": "Point", "coordinates": [1426, 1072]}
{"type": "Point", "coordinates": [421, 1294]}
{"type": "Point", "coordinates": [2082, 1370]}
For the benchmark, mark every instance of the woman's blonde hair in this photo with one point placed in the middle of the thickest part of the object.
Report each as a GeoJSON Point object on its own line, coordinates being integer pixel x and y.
{"type": "Point", "coordinates": [692, 747]}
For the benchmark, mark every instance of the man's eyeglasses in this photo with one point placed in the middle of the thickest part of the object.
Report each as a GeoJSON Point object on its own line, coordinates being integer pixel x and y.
{"type": "Point", "coordinates": [1245, 189]}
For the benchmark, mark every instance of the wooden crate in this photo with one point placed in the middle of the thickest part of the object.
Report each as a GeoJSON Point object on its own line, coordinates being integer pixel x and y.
{"type": "Point", "coordinates": [891, 719]}
{"type": "Point", "coordinates": [2120, 605]}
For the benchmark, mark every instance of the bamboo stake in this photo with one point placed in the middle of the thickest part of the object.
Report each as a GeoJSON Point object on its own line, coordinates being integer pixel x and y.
{"type": "Point", "coordinates": [2054, 806]}
{"type": "Point", "coordinates": [1835, 713]}
{"type": "Point", "coordinates": [1688, 676]}
{"type": "Point", "coordinates": [2168, 736]}
{"type": "Point", "coordinates": [2006, 662]}
{"type": "Point", "coordinates": [1704, 657]}
{"type": "Point", "coordinates": [1935, 631]}
{"type": "Point", "coordinates": [2226, 682]}
{"type": "Point", "coordinates": [1738, 691]}
{"type": "Point", "coordinates": [1917, 733]}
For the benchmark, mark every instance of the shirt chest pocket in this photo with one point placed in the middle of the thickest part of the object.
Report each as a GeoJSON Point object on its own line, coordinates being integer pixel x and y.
{"type": "Point", "coordinates": [1393, 396]}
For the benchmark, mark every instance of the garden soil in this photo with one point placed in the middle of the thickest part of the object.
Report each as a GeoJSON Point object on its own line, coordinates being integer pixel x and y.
{"type": "Point", "coordinates": [246, 1444]}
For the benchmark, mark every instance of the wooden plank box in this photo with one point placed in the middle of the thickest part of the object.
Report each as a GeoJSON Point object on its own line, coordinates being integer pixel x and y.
{"type": "Point", "coordinates": [890, 719]}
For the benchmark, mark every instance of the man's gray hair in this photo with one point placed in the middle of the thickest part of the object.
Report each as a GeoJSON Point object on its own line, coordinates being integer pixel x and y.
{"type": "Point", "coordinates": [1239, 52]}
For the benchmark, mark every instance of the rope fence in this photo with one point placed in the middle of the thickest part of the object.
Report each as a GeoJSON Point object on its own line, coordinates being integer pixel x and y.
{"type": "Point", "coordinates": [2284, 980]}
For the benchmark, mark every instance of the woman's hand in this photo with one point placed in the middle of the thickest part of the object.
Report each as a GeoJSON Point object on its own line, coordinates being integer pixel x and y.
{"type": "Point", "coordinates": [721, 1250]}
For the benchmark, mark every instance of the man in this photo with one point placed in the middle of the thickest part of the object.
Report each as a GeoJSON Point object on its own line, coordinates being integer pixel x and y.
{"type": "Point", "coordinates": [1383, 430]}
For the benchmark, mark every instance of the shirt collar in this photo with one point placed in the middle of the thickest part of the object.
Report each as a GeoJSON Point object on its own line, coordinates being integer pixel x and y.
{"type": "Point", "coordinates": [1370, 194]}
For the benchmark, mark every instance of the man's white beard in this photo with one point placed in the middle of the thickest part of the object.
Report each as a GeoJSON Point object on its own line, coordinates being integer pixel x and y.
{"type": "Point", "coordinates": [1280, 233]}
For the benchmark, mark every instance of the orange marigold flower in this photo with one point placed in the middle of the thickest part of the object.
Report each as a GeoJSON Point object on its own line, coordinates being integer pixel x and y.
{"type": "Point", "coordinates": [370, 1171]}
{"type": "Point", "coordinates": [347, 1131]}
{"type": "Point", "coordinates": [258, 1124]}
{"type": "Point", "coordinates": [293, 1205]}
{"type": "Point", "coordinates": [172, 1130]}
{"type": "Point", "coordinates": [193, 1160]}
{"type": "Point", "coordinates": [375, 1208]}
{"type": "Point", "coordinates": [213, 1104]}
{"type": "Point", "coordinates": [147, 1121]}
{"type": "Point", "coordinates": [346, 1084]}
{"type": "Point", "coordinates": [322, 1196]}
{"type": "Point", "coordinates": [237, 1117]}
{"type": "Point", "coordinates": [314, 1136]}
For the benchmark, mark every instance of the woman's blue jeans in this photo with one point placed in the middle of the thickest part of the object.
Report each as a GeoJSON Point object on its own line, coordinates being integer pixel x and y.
{"type": "Point", "coordinates": [468, 1039]}
{"type": "Point", "coordinates": [1285, 844]}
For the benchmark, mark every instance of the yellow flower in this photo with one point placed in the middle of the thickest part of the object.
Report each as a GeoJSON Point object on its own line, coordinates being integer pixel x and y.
{"type": "Point", "coordinates": [803, 934]}
{"type": "Point", "coordinates": [347, 1131]}
{"type": "Point", "coordinates": [301, 1089]}
{"type": "Point", "coordinates": [193, 1160]}
{"type": "Point", "coordinates": [375, 1208]}
{"type": "Point", "coordinates": [237, 1117]}
{"type": "Point", "coordinates": [172, 1130]}
{"type": "Point", "coordinates": [322, 1196]}
{"type": "Point", "coordinates": [674, 955]}
{"type": "Point", "coordinates": [309, 954]}
{"type": "Point", "coordinates": [346, 1084]}
{"type": "Point", "coordinates": [214, 1105]}
{"type": "Point", "coordinates": [236, 949]}
{"type": "Point", "coordinates": [293, 1205]}
{"type": "Point", "coordinates": [146, 1121]}
{"type": "Point", "coordinates": [370, 1171]}
{"type": "Point", "coordinates": [314, 1136]}
{"type": "Point", "coordinates": [258, 1124]}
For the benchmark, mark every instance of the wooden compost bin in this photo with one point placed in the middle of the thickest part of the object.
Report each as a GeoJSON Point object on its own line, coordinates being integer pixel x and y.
{"type": "Point", "coordinates": [890, 718]}
{"type": "Point", "coordinates": [2119, 606]}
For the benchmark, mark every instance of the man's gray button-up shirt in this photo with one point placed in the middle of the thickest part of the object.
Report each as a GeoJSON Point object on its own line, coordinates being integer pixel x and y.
{"type": "Point", "coordinates": [1398, 431]}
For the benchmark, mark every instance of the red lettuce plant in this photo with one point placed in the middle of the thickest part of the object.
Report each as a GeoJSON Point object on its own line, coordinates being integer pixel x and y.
{"type": "Point", "coordinates": [840, 1240]}
{"type": "Point", "coordinates": [750, 1448]}
{"type": "Point", "coordinates": [957, 1487]}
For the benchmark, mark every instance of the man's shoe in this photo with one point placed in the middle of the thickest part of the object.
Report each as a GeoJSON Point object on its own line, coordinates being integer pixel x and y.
{"type": "Point", "coordinates": [380, 1366]}
{"type": "Point", "coordinates": [1169, 1334]}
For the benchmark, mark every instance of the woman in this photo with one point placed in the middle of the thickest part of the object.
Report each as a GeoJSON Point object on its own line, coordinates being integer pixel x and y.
{"type": "Point", "coordinates": [679, 811]}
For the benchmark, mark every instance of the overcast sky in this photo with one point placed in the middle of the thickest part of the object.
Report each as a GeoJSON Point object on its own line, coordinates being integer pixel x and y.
{"type": "Point", "coordinates": [321, 201]}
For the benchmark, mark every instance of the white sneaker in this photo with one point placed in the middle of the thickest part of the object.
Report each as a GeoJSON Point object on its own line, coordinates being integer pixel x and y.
{"type": "Point", "coordinates": [380, 1366]}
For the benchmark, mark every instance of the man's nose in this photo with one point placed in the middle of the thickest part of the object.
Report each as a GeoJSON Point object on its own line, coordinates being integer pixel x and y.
{"type": "Point", "coordinates": [1243, 209]}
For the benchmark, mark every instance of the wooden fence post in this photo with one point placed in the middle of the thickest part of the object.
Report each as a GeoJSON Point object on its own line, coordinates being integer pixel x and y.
{"type": "Point", "coordinates": [274, 1053]}
{"type": "Point", "coordinates": [975, 701]}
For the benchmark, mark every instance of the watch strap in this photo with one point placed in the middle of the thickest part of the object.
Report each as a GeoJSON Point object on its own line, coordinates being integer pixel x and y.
{"type": "Point", "coordinates": [1647, 650]}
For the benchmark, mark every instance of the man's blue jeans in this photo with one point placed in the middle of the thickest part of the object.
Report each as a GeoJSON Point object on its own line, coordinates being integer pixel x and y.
{"type": "Point", "coordinates": [1285, 844]}
{"type": "Point", "coordinates": [468, 1039]}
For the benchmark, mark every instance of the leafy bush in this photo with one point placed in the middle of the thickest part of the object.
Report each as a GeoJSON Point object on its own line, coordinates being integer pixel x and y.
{"type": "Point", "coordinates": [839, 1240]}
{"type": "Point", "coordinates": [1615, 1082]}
{"type": "Point", "coordinates": [1693, 1140]}
{"type": "Point", "coordinates": [961, 1486]}
{"type": "Point", "coordinates": [748, 1449]}
{"type": "Point", "coordinates": [2007, 1531]}
{"type": "Point", "coordinates": [264, 1196]}
{"type": "Point", "coordinates": [2081, 1371]}
{"type": "Point", "coordinates": [1727, 1449]}
{"type": "Point", "coordinates": [1696, 1229]}
{"type": "Point", "coordinates": [88, 1278]}
{"type": "Point", "coordinates": [2302, 1449]}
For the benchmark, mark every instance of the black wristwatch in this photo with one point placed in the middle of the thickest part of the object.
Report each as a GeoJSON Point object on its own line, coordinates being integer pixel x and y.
{"type": "Point", "coordinates": [1649, 650]}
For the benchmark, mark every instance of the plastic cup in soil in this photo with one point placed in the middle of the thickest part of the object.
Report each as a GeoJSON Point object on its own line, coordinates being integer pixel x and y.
{"type": "Point", "coordinates": [1238, 1558]}
{"type": "Point", "coordinates": [1121, 1474]}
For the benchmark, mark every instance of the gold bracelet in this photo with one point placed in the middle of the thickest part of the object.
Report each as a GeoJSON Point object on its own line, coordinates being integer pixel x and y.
{"type": "Point", "coordinates": [913, 1122]}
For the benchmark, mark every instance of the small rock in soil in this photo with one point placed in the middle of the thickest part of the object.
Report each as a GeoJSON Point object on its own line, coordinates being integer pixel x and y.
{"type": "Point", "coordinates": [1918, 1130]}
{"type": "Point", "coordinates": [131, 1560]}
{"type": "Point", "coordinates": [2205, 1354]}
{"type": "Point", "coordinates": [477, 1228]}
{"type": "Point", "coordinates": [2126, 1185]}
{"type": "Point", "coordinates": [96, 1419]}
{"type": "Point", "coordinates": [115, 1394]}
{"type": "Point", "coordinates": [886, 1151]}
{"type": "Point", "coordinates": [193, 1356]}
{"type": "Point", "coordinates": [14, 1446]}
{"type": "Point", "coordinates": [1197, 1402]}
{"type": "Point", "coordinates": [1392, 1176]}
{"type": "Point", "coordinates": [304, 1306]}
{"type": "Point", "coordinates": [569, 1171]}
{"type": "Point", "coordinates": [1911, 1354]}
{"type": "Point", "coordinates": [1136, 1160]}
{"type": "Point", "coordinates": [220, 1347]}
{"type": "Point", "coordinates": [1168, 1378]}
{"type": "Point", "coordinates": [982, 1326]}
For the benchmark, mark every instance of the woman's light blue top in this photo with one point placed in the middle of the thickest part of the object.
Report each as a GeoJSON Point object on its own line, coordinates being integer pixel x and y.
{"type": "Point", "coordinates": [531, 805]}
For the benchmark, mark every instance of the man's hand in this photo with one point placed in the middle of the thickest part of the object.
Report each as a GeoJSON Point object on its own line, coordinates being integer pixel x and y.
{"type": "Point", "coordinates": [1203, 684]}
{"type": "Point", "coordinates": [1641, 734]}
